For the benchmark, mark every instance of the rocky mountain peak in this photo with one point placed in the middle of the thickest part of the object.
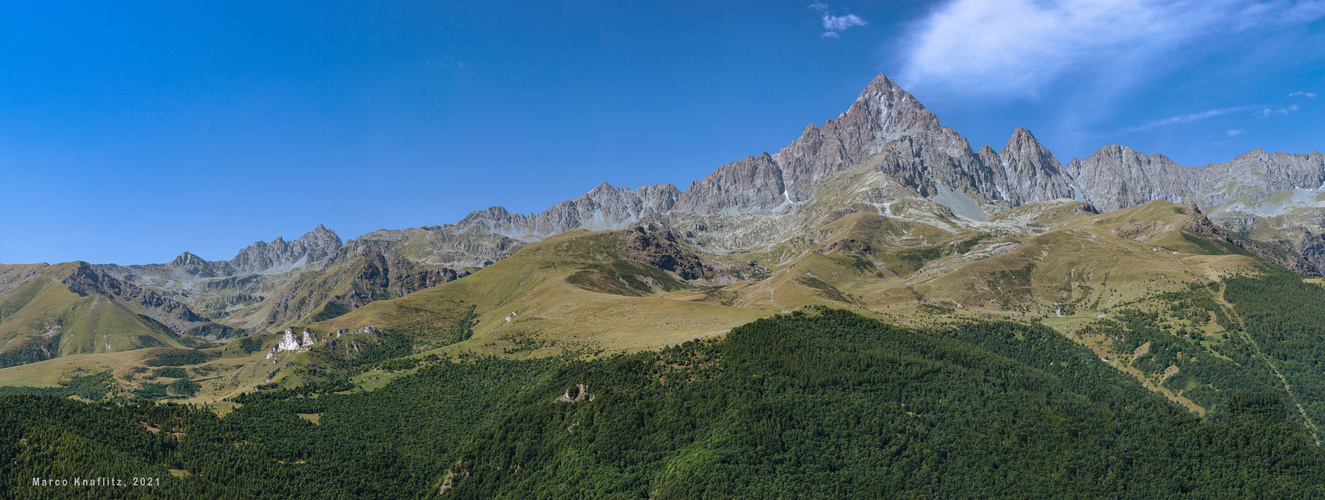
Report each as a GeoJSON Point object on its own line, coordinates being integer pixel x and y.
{"type": "Point", "coordinates": [1117, 176]}
{"type": "Point", "coordinates": [279, 254]}
{"type": "Point", "coordinates": [600, 190]}
{"type": "Point", "coordinates": [319, 243]}
{"type": "Point", "coordinates": [1253, 154]}
{"type": "Point", "coordinates": [881, 115]}
{"type": "Point", "coordinates": [1031, 170]}
{"type": "Point", "coordinates": [186, 259]}
{"type": "Point", "coordinates": [1022, 138]}
{"type": "Point", "coordinates": [898, 112]}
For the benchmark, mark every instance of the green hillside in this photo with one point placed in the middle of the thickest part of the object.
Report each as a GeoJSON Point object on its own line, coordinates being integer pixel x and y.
{"type": "Point", "coordinates": [43, 318]}
{"type": "Point", "coordinates": [803, 405]}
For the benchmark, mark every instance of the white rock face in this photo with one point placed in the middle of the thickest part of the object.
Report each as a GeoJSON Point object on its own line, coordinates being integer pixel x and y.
{"type": "Point", "coordinates": [290, 342]}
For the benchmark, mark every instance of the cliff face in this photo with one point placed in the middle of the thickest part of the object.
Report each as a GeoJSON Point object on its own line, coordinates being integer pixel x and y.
{"type": "Point", "coordinates": [748, 185]}
{"type": "Point", "coordinates": [1117, 177]}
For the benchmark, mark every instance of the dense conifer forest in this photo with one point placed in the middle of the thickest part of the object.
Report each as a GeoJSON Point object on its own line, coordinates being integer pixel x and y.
{"type": "Point", "coordinates": [820, 404]}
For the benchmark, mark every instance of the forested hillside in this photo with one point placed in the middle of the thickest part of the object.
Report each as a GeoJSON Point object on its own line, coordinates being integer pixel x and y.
{"type": "Point", "coordinates": [1286, 319]}
{"type": "Point", "coordinates": [827, 403]}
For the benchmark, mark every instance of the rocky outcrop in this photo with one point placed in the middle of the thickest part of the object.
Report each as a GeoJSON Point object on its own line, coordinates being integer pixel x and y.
{"type": "Point", "coordinates": [1280, 254]}
{"type": "Point", "coordinates": [660, 249]}
{"type": "Point", "coordinates": [1311, 246]}
{"type": "Point", "coordinates": [1198, 223]}
{"type": "Point", "coordinates": [290, 342]}
{"type": "Point", "coordinates": [392, 276]}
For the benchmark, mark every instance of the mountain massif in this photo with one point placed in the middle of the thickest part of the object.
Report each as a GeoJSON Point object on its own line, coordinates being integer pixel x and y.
{"type": "Point", "coordinates": [889, 126]}
{"type": "Point", "coordinates": [885, 154]}
{"type": "Point", "coordinates": [877, 307]}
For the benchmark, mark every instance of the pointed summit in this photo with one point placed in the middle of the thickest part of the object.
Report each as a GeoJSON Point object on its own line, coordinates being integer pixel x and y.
{"type": "Point", "coordinates": [896, 112]}
{"type": "Point", "coordinates": [1020, 136]}
{"type": "Point", "coordinates": [186, 259]}
{"type": "Point", "coordinates": [1023, 143]}
{"type": "Point", "coordinates": [197, 266]}
{"type": "Point", "coordinates": [321, 236]}
{"type": "Point", "coordinates": [1032, 171]}
{"type": "Point", "coordinates": [600, 189]}
{"type": "Point", "coordinates": [883, 118]}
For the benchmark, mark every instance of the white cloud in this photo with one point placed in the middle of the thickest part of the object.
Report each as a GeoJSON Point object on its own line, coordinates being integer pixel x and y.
{"type": "Point", "coordinates": [1016, 47]}
{"type": "Point", "coordinates": [835, 24]}
{"type": "Point", "coordinates": [1234, 132]}
{"type": "Point", "coordinates": [839, 23]}
{"type": "Point", "coordinates": [1300, 93]}
{"type": "Point", "coordinates": [1187, 118]}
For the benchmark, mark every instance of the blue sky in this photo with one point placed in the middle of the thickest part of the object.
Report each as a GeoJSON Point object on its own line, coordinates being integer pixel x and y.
{"type": "Point", "coordinates": [132, 133]}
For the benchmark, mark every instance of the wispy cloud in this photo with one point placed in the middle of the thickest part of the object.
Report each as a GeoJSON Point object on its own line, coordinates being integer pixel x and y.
{"type": "Point", "coordinates": [1258, 111]}
{"type": "Point", "coordinates": [1016, 47]}
{"type": "Point", "coordinates": [839, 23]}
{"type": "Point", "coordinates": [1300, 93]}
{"type": "Point", "coordinates": [1268, 112]}
{"type": "Point", "coordinates": [1188, 118]}
{"type": "Point", "coordinates": [836, 24]}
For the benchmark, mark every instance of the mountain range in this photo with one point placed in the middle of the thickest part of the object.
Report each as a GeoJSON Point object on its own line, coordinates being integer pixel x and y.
{"type": "Point", "coordinates": [915, 213]}
{"type": "Point", "coordinates": [876, 309]}
{"type": "Point", "coordinates": [913, 149]}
